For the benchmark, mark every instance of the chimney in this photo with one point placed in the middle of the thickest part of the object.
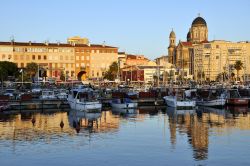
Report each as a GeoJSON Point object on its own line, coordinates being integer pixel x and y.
{"type": "Point", "coordinates": [46, 43]}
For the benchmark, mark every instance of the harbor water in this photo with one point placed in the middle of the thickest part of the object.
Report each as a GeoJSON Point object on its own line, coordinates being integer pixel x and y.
{"type": "Point", "coordinates": [147, 136]}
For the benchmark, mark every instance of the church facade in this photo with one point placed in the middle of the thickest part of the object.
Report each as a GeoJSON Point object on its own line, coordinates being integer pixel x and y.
{"type": "Point", "coordinates": [182, 54]}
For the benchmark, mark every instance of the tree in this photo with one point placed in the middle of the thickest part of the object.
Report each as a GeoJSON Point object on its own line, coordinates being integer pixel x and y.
{"type": "Point", "coordinates": [222, 76]}
{"type": "Point", "coordinates": [62, 76]}
{"type": "Point", "coordinates": [238, 66]}
{"type": "Point", "coordinates": [232, 76]}
{"type": "Point", "coordinates": [111, 74]}
{"type": "Point", "coordinates": [7, 69]}
{"type": "Point", "coordinates": [31, 69]}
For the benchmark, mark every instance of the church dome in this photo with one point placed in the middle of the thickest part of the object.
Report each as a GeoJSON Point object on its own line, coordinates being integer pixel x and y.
{"type": "Point", "coordinates": [199, 21]}
{"type": "Point", "coordinates": [172, 34]}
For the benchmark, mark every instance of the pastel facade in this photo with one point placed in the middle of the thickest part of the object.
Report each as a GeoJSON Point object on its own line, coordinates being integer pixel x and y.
{"type": "Point", "coordinates": [220, 56]}
{"type": "Point", "coordinates": [61, 58]}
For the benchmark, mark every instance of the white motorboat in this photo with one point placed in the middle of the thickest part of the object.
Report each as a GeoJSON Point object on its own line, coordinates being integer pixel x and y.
{"type": "Point", "coordinates": [83, 99]}
{"type": "Point", "coordinates": [123, 103]}
{"type": "Point", "coordinates": [178, 100]}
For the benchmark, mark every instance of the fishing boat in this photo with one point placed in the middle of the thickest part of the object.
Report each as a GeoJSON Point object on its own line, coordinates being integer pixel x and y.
{"type": "Point", "coordinates": [234, 98]}
{"type": "Point", "coordinates": [211, 98]}
{"type": "Point", "coordinates": [178, 100]}
{"type": "Point", "coordinates": [123, 103]}
{"type": "Point", "coordinates": [83, 99]}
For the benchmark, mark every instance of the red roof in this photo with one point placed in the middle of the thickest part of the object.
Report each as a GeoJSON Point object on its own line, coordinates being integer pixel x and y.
{"type": "Point", "coordinates": [186, 43]}
{"type": "Point", "coordinates": [54, 44]}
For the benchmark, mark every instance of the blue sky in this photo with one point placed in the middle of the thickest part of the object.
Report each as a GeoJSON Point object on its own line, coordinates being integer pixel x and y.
{"type": "Point", "coordinates": [135, 26]}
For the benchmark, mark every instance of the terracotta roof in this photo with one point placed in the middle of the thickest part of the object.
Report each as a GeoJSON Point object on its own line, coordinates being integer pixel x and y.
{"type": "Point", "coordinates": [205, 41]}
{"type": "Point", "coordinates": [53, 44]}
{"type": "Point", "coordinates": [186, 43]}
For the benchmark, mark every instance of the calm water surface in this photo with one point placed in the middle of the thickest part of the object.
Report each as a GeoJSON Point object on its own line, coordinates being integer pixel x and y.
{"type": "Point", "coordinates": [204, 136]}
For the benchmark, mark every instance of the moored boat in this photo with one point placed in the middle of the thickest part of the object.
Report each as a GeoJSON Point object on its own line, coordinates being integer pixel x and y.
{"type": "Point", "coordinates": [83, 99]}
{"type": "Point", "coordinates": [178, 100]}
{"type": "Point", "coordinates": [211, 98]}
{"type": "Point", "coordinates": [234, 98]}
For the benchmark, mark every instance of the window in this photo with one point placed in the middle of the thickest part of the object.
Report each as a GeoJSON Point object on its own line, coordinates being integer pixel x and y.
{"type": "Point", "coordinates": [39, 57]}
{"type": "Point", "coordinates": [45, 57]}
{"type": "Point", "coordinates": [3, 56]}
{"type": "Point", "coordinates": [33, 57]}
{"type": "Point", "coordinates": [22, 57]}
{"type": "Point", "coordinates": [82, 58]}
{"type": "Point", "coordinates": [217, 57]}
{"type": "Point", "coordinates": [27, 57]}
{"type": "Point", "coordinates": [87, 57]}
{"type": "Point", "coordinates": [93, 73]}
{"type": "Point", "coordinates": [15, 57]}
{"type": "Point", "coordinates": [77, 58]}
{"type": "Point", "coordinates": [77, 65]}
{"type": "Point", "coordinates": [61, 57]}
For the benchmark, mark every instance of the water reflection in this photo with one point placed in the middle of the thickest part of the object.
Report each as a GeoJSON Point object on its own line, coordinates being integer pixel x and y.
{"type": "Point", "coordinates": [187, 122]}
{"type": "Point", "coordinates": [192, 127]}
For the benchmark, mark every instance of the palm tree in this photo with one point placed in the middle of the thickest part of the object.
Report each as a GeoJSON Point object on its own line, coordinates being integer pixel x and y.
{"type": "Point", "coordinates": [238, 66]}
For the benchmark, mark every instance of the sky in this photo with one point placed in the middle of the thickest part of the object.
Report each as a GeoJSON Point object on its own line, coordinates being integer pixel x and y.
{"type": "Point", "coordinates": [135, 26]}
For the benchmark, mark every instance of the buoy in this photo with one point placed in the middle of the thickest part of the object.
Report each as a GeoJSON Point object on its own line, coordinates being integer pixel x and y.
{"type": "Point", "coordinates": [61, 124]}
{"type": "Point", "coordinates": [33, 120]}
{"type": "Point", "coordinates": [77, 128]}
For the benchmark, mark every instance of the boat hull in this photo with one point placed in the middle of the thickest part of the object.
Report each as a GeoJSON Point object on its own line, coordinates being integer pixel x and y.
{"type": "Point", "coordinates": [171, 101]}
{"type": "Point", "coordinates": [212, 103]}
{"type": "Point", "coordinates": [237, 101]}
{"type": "Point", "coordinates": [94, 106]}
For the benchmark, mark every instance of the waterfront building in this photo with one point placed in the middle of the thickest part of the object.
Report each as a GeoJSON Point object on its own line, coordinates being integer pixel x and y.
{"type": "Point", "coordinates": [132, 60]}
{"type": "Point", "coordinates": [162, 61]}
{"type": "Point", "coordinates": [121, 59]}
{"type": "Point", "coordinates": [218, 57]}
{"type": "Point", "coordinates": [102, 57]}
{"type": "Point", "coordinates": [53, 57]}
{"type": "Point", "coordinates": [203, 60]}
{"type": "Point", "coordinates": [72, 60]}
{"type": "Point", "coordinates": [77, 40]}
{"type": "Point", "coordinates": [182, 55]}
{"type": "Point", "coordinates": [142, 73]}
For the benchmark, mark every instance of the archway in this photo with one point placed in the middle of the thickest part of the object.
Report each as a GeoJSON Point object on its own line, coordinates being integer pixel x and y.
{"type": "Point", "coordinates": [80, 74]}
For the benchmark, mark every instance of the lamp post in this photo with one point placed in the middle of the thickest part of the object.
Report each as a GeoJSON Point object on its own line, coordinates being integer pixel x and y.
{"type": "Point", "coordinates": [37, 73]}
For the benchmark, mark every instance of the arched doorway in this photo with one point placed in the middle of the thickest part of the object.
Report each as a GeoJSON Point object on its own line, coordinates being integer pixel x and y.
{"type": "Point", "coordinates": [80, 75]}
